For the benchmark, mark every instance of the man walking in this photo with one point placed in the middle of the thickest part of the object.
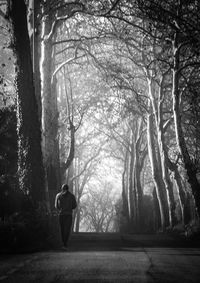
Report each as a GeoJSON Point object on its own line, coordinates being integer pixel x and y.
{"type": "Point", "coordinates": [65, 202]}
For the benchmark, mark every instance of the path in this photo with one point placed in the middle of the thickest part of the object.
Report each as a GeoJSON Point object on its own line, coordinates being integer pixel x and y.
{"type": "Point", "coordinates": [107, 258]}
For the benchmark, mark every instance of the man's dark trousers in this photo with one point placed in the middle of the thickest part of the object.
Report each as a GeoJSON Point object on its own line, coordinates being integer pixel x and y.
{"type": "Point", "coordinates": [65, 226]}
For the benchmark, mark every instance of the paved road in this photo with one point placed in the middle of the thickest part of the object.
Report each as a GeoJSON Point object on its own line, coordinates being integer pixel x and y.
{"type": "Point", "coordinates": [107, 258]}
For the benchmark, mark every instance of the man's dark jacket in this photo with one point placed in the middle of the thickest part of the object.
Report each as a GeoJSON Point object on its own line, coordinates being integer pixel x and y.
{"type": "Point", "coordinates": [65, 202]}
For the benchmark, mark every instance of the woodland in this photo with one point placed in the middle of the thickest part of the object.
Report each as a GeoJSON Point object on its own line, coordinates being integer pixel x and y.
{"type": "Point", "coordinates": [102, 95]}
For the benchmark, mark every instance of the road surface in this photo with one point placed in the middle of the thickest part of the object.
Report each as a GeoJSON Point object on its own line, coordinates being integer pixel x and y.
{"type": "Point", "coordinates": [107, 258]}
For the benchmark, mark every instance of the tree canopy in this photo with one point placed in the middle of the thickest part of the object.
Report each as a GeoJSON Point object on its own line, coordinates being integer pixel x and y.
{"type": "Point", "coordinates": [107, 100]}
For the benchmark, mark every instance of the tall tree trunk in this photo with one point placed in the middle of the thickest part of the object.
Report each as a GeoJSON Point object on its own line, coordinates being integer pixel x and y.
{"type": "Point", "coordinates": [157, 216]}
{"type": "Point", "coordinates": [127, 185]}
{"type": "Point", "coordinates": [164, 163]}
{"type": "Point", "coordinates": [157, 111]}
{"type": "Point", "coordinates": [138, 201]}
{"type": "Point", "coordinates": [34, 26]}
{"type": "Point", "coordinates": [130, 183]}
{"type": "Point", "coordinates": [30, 165]}
{"type": "Point", "coordinates": [187, 163]}
{"type": "Point", "coordinates": [156, 177]}
{"type": "Point", "coordinates": [140, 212]}
{"type": "Point", "coordinates": [179, 188]}
{"type": "Point", "coordinates": [125, 210]}
{"type": "Point", "coordinates": [49, 113]}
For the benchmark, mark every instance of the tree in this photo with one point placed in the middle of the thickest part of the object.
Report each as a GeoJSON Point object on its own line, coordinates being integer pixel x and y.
{"type": "Point", "coordinates": [82, 175]}
{"type": "Point", "coordinates": [8, 164]}
{"type": "Point", "coordinates": [52, 17]}
{"type": "Point", "coordinates": [8, 134]}
{"type": "Point", "coordinates": [132, 72]}
{"type": "Point", "coordinates": [182, 36]}
{"type": "Point", "coordinates": [30, 165]}
{"type": "Point", "coordinates": [156, 34]}
{"type": "Point", "coordinates": [99, 212]}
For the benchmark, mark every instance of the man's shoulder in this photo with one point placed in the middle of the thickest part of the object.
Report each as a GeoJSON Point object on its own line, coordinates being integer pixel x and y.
{"type": "Point", "coordinates": [58, 195]}
{"type": "Point", "coordinates": [71, 194]}
{"type": "Point", "coordinates": [68, 194]}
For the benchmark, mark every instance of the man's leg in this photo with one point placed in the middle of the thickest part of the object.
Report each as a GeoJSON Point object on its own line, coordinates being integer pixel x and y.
{"type": "Point", "coordinates": [68, 225]}
{"type": "Point", "coordinates": [62, 227]}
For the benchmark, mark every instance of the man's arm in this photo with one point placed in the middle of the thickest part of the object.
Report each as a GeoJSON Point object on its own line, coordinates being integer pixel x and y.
{"type": "Point", "coordinates": [57, 203]}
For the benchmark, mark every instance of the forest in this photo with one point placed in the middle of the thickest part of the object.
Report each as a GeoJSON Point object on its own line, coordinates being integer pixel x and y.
{"type": "Point", "coordinates": [102, 95]}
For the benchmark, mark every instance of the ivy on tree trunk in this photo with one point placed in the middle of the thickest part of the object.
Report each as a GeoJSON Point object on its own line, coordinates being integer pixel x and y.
{"type": "Point", "coordinates": [30, 165]}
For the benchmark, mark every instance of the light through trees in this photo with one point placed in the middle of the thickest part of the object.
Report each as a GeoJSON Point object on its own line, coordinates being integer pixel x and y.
{"type": "Point", "coordinates": [117, 91]}
{"type": "Point", "coordinates": [113, 81]}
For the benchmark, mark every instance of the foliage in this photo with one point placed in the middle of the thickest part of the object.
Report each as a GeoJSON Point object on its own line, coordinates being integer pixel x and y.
{"type": "Point", "coordinates": [7, 94]}
{"type": "Point", "coordinates": [98, 210]}
{"type": "Point", "coordinates": [8, 158]}
{"type": "Point", "coordinates": [8, 135]}
{"type": "Point", "coordinates": [20, 226]}
{"type": "Point", "coordinates": [25, 230]}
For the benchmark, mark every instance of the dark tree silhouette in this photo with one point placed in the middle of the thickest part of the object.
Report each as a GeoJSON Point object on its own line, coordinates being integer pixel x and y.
{"type": "Point", "coordinates": [30, 168]}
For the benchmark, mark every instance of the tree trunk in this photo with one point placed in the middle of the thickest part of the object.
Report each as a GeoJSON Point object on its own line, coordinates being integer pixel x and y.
{"type": "Point", "coordinates": [49, 114]}
{"type": "Point", "coordinates": [30, 165]}
{"type": "Point", "coordinates": [130, 184]}
{"type": "Point", "coordinates": [157, 216]}
{"type": "Point", "coordinates": [187, 163]}
{"type": "Point", "coordinates": [138, 201]}
{"type": "Point", "coordinates": [140, 211]}
{"type": "Point", "coordinates": [164, 166]}
{"type": "Point", "coordinates": [125, 209]}
{"type": "Point", "coordinates": [70, 157]}
{"type": "Point", "coordinates": [157, 111]}
{"type": "Point", "coordinates": [34, 7]}
{"type": "Point", "coordinates": [155, 173]}
{"type": "Point", "coordinates": [181, 194]}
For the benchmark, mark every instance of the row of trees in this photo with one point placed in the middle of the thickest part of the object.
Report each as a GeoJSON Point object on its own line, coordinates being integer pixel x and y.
{"type": "Point", "coordinates": [152, 69]}
{"type": "Point", "coordinates": [132, 68]}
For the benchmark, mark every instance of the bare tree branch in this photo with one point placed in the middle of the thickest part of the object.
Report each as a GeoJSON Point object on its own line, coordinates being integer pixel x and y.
{"type": "Point", "coordinates": [112, 8]}
{"type": "Point", "coordinates": [3, 15]}
{"type": "Point", "coordinates": [64, 63]}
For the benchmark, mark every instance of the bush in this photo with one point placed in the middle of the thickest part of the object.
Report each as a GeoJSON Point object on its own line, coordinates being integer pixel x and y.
{"type": "Point", "coordinates": [24, 231]}
{"type": "Point", "coordinates": [192, 230]}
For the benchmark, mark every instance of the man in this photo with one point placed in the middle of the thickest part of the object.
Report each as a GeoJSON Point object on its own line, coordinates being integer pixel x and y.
{"type": "Point", "coordinates": [65, 202]}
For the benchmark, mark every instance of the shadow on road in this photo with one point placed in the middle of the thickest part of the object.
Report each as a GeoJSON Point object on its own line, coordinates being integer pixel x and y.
{"type": "Point", "coordinates": [117, 242]}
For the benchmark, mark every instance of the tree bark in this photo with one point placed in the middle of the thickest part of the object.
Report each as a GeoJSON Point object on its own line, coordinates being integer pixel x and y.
{"type": "Point", "coordinates": [138, 202]}
{"type": "Point", "coordinates": [180, 140]}
{"type": "Point", "coordinates": [164, 163]}
{"type": "Point", "coordinates": [130, 183]}
{"type": "Point", "coordinates": [30, 165]}
{"type": "Point", "coordinates": [49, 113]}
{"type": "Point", "coordinates": [158, 117]}
{"type": "Point", "coordinates": [179, 188]}
{"type": "Point", "coordinates": [155, 173]}
{"type": "Point", "coordinates": [125, 209]}
{"type": "Point", "coordinates": [34, 7]}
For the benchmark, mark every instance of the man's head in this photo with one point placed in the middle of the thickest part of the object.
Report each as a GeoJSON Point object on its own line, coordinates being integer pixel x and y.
{"type": "Point", "coordinates": [65, 187]}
